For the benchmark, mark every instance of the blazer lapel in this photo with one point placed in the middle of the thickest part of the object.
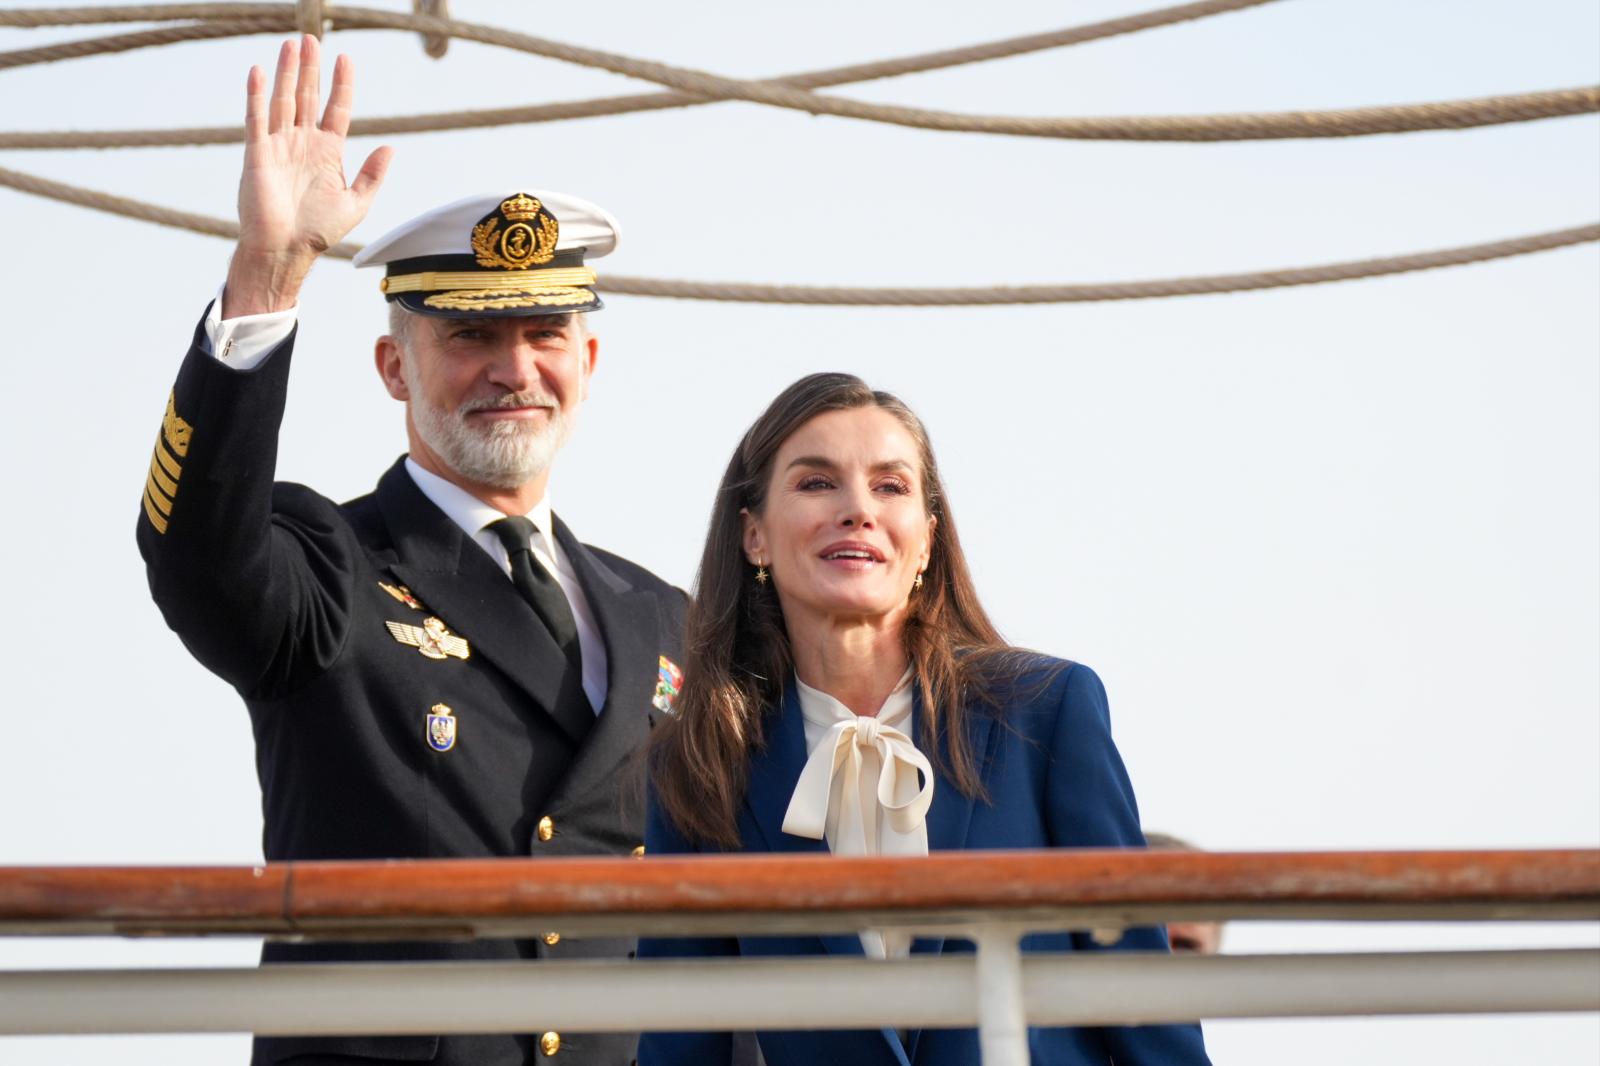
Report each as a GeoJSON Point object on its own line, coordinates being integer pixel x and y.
{"type": "Point", "coordinates": [774, 770]}
{"type": "Point", "coordinates": [950, 814]}
{"type": "Point", "coordinates": [457, 581]}
{"type": "Point", "coordinates": [630, 624]}
{"type": "Point", "coordinates": [773, 774]}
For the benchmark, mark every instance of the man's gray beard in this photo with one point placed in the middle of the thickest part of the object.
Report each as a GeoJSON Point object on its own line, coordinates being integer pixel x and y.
{"type": "Point", "coordinates": [503, 454]}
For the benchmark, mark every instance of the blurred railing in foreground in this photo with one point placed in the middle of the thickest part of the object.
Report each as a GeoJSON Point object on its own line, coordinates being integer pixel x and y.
{"type": "Point", "coordinates": [991, 898]}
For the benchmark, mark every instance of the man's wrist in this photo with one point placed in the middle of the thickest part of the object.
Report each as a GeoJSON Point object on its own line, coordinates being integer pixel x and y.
{"type": "Point", "coordinates": [262, 282]}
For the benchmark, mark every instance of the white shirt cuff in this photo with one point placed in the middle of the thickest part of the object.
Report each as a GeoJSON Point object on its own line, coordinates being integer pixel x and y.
{"type": "Point", "coordinates": [245, 342]}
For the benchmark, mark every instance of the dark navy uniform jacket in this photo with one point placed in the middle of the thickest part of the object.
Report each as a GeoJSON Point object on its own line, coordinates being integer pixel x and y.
{"type": "Point", "coordinates": [1054, 779]}
{"type": "Point", "coordinates": [280, 592]}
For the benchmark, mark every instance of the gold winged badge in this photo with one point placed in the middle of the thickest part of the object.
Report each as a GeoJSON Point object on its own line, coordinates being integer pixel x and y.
{"type": "Point", "coordinates": [431, 638]}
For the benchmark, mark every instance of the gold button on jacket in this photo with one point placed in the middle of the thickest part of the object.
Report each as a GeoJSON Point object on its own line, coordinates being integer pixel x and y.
{"type": "Point", "coordinates": [550, 1043]}
{"type": "Point", "coordinates": [547, 828]}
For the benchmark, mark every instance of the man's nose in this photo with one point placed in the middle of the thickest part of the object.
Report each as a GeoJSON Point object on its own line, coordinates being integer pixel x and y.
{"type": "Point", "coordinates": [515, 364]}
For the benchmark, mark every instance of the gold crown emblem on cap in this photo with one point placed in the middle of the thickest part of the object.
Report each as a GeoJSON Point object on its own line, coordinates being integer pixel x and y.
{"type": "Point", "coordinates": [528, 239]}
{"type": "Point", "coordinates": [520, 208]}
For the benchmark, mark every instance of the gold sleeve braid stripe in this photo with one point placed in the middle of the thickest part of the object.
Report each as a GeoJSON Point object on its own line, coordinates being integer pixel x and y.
{"type": "Point", "coordinates": [161, 484]}
{"type": "Point", "coordinates": [152, 512]}
{"type": "Point", "coordinates": [165, 460]}
{"type": "Point", "coordinates": [158, 476]}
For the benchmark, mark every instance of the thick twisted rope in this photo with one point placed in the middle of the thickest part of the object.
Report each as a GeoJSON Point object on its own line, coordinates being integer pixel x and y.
{"type": "Point", "coordinates": [1457, 114]}
{"type": "Point", "coordinates": [621, 105]}
{"type": "Point", "coordinates": [161, 35]}
{"type": "Point", "coordinates": [918, 297]}
{"type": "Point", "coordinates": [858, 72]}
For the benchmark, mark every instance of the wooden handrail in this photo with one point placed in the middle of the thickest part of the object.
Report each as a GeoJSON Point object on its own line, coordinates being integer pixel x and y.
{"type": "Point", "coordinates": [771, 893]}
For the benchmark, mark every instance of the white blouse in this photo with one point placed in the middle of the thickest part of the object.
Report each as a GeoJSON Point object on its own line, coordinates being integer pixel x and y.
{"type": "Point", "coordinates": [860, 788]}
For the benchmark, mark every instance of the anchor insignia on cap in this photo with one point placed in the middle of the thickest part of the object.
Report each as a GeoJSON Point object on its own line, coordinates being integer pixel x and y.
{"type": "Point", "coordinates": [528, 239]}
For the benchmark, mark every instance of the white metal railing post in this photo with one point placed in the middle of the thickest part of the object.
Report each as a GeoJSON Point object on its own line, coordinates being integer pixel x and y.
{"type": "Point", "coordinates": [1002, 1021]}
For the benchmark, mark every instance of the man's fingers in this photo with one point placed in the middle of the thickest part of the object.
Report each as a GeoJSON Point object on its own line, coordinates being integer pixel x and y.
{"type": "Point", "coordinates": [255, 106]}
{"type": "Point", "coordinates": [336, 119]}
{"type": "Point", "coordinates": [370, 176]}
{"type": "Point", "coordinates": [281, 112]}
{"type": "Point", "coordinates": [310, 85]}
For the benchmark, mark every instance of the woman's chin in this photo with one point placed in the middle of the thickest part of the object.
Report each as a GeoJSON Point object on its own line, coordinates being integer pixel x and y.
{"type": "Point", "coordinates": [855, 608]}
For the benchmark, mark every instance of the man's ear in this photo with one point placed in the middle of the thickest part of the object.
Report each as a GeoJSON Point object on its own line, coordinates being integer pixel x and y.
{"type": "Point", "coordinates": [590, 356]}
{"type": "Point", "coordinates": [386, 355]}
{"type": "Point", "coordinates": [755, 545]}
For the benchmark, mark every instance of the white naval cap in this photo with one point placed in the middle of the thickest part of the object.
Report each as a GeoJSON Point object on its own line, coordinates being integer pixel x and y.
{"type": "Point", "coordinates": [499, 254]}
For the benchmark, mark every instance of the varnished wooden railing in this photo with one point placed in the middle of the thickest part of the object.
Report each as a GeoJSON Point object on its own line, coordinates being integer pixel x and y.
{"type": "Point", "coordinates": [991, 898]}
{"type": "Point", "coordinates": [1060, 889]}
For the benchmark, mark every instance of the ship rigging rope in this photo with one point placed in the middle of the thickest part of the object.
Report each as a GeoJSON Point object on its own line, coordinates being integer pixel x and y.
{"type": "Point", "coordinates": [691, 87]}
{"type": "Point", "coordinates": [741, 292]}
{"type": "Point", "coordinates": [237, 19]}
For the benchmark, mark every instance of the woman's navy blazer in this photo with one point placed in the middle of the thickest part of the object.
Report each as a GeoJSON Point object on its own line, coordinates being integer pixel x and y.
{"type": "Point", "coordinates": [1054, 779]}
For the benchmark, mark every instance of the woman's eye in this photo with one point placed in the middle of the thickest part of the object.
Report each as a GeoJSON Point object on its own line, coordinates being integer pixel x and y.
{"type": "Point", "coordinates": [894, 487]}
{"type": "Point", "coordinates": [814, 481]}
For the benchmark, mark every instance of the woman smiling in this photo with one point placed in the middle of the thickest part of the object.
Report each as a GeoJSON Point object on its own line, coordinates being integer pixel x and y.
{"type": "Point", "coordinates": [845, 690]}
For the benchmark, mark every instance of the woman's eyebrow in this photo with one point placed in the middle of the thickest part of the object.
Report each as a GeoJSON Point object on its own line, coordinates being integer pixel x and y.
{"type": "Point", "coordinates": [828, 464]}
{"type": "Point", "coordinates": [812, 460]}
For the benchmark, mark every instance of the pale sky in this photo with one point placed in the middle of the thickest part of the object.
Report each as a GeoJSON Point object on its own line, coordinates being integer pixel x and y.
{"type": "Point", "coordinates": [1335, 551]}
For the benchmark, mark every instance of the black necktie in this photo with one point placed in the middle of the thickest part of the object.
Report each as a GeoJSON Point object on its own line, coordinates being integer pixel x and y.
{"type": "Point", "coordinates": [540, 589]}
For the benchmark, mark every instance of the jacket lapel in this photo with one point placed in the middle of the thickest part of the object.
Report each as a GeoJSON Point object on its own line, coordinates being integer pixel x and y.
{"type": "Point", "coordinates": [950, 814]}
{"type": "Point", "coordinates": [774, 770]}
{"type": "Point", "coordinates": [457, 581]}
{"type": "Point", "coordinates": [630, 624]}
{"type": "Point", "coordinates": [773, 774]}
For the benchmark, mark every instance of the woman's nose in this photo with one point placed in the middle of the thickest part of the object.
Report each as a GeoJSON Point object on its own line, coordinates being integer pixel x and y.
{"type": "Point", "coordinates": [857, 512]}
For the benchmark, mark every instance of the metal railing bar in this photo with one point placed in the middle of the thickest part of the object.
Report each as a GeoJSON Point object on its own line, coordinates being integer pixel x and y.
{"type": "Point", "coordinates": [1002, 996]}
{"type": "Point", "coordinates": [602, 996]}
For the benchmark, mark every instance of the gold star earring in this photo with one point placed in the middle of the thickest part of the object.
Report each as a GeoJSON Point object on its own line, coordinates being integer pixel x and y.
{"type": "Point", "coordinates": [761, 573]}
{"type": "Point", "coordinates": [916, 582]}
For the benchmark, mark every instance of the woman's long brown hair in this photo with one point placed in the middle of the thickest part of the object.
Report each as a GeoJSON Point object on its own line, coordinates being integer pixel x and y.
{"type": "Point", "coordinates": [738, 659]}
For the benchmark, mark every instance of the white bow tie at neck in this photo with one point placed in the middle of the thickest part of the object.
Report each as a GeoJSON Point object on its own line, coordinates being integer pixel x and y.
{"type": "Point", "coordinates": [836, 797]}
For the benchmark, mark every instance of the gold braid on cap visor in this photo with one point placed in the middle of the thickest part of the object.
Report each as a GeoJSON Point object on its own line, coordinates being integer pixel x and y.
{"type": "Point", "coordinates": [486, 281]}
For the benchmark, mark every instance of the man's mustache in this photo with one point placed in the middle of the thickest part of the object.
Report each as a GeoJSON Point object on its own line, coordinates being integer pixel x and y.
{"type": "Point", "coordinates": [509, 401]}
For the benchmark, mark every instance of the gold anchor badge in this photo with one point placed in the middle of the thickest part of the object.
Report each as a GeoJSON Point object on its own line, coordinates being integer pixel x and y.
{"type": "Point", "coordinates": [431, 638]}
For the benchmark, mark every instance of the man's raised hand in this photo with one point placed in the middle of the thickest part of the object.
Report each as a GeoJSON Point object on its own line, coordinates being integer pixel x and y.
{"type": "Point", "coordinates": [294, 203]}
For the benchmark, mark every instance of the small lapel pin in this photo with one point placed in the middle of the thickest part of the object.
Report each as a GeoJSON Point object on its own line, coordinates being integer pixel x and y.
{"type": "Point", "coordinates": [441, 727]}
{"type": "Point", "coordinates": [431, 638]}
{"type": "Point", "coordinates": [403, 594]}
{"type": "Point", "coordinates": [669, 680]}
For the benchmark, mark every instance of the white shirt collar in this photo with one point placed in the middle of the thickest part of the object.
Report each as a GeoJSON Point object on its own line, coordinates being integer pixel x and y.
{"type": "Point", "coordinates": [472, 514]}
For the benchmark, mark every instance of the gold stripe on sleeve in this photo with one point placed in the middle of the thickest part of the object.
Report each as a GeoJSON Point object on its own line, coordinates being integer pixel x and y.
{"type": "Point", "coordinates": [154, 493]}
{"type": "Point", "coordinates": [154, 515]}
{"type": "Point", "coordinates": [168, 486]}
{"type": "Point", "coordinates": [168, 463]}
